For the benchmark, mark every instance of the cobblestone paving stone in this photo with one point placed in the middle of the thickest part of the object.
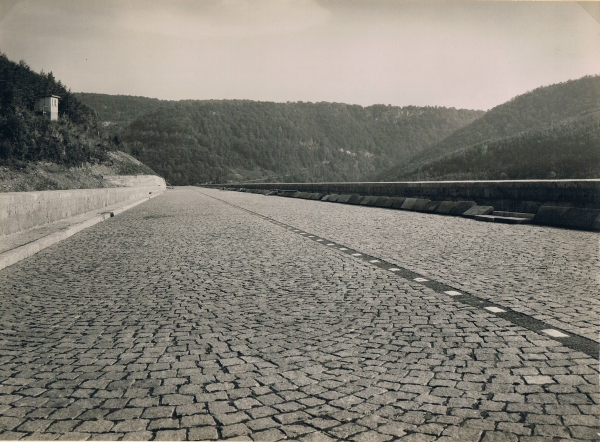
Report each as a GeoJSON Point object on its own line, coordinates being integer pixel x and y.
{"type": "Point", "coordinates": [547, 273]}
{"type": "Point", "coordinates": [185, 318]}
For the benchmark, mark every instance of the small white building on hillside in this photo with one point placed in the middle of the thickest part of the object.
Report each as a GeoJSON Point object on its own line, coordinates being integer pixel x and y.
{"type": "Point", "coordinates": [48, 106]}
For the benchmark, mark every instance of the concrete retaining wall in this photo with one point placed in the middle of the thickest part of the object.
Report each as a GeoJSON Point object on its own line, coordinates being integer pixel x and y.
{"type": "Point", "coordinates": [23, 210]}
{"type": "Point", "coordinates": [515, 196]}
{"type": "Point", "coordinates": [134, 180]}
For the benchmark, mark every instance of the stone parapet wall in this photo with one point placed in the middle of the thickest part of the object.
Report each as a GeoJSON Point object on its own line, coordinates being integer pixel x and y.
{"type": "Point", "coordinates": [24, 210]}
{"type": "Point", "coordinates": [517, 196]}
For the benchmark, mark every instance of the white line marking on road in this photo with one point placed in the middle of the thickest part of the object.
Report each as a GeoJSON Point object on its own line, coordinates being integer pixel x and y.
{"type": "Point", "coordinates": [311, 236]}
{"type": "Point", "coordinates": [343, 248]}
{"type": "Point", "coordinates": [319, 240]}
{"type": "Point", "coordinates": [331, 244]}
{"type": "Point", "coordinates": [554, 333]}
{"type": "Point", "coordinates": [303, 233]}
{"type": "Point", "coordinates": [374, 261]}
{"type": "Point", "coordinates": [420, 279]}
{"type": "Point", "coordinates": [394, 269]}
{"type": "Point", "coordinates": [453, 293]}
{"type": "Point", "coordinates": [357, 254]}
{"type": "Point", "coordinates": [495, 310]}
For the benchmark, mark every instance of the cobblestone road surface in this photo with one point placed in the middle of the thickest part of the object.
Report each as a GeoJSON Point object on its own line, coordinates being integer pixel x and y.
{"type": "Point", "coordinates": [187, 318]}
{"type": "Point", "coordinates": [548, 273]}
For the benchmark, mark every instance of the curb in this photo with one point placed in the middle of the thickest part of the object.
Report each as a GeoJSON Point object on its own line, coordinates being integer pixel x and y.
{"type": "Point", "coordinates": [15, 255]}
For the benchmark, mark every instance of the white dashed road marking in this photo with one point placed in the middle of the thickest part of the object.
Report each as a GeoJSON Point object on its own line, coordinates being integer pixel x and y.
{"type": "Point", "coordinates": [495, 310]}
{"type": "Point", "coordinates": [574, 342]}
{"type": "Point", "coordinates": [554, 333]}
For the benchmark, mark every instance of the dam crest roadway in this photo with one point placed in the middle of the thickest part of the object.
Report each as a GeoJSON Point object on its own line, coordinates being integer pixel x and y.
{"type": "Point", "coordinates": [204, 314]}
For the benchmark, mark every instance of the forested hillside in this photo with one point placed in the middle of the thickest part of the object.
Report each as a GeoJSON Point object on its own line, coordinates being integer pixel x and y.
{"type": "Point", "coordinates": [551, 131]}
{"type": "Point", "coordinates": [538, 109]}
{"type": "Point", "coordinates": [191, 142]}
{"type": "Point", "coordinates": [24, 136]}
{"type": "Point", "coordinates": [569, 149]}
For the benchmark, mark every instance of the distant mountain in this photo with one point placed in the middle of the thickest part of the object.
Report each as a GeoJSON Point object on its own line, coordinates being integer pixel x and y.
{"type": "Point", "coordinates": [569, 149]}
{"type": "Point", "coordinates": [191, 142]}
{"type": "Point", "coordinates": [539, 109]}
{"type": "Point", "coordinates": [118, 110]}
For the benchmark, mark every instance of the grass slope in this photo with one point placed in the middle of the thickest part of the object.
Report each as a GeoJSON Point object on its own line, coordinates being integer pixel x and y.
{"type": "Point", "coordinates": [43, 175]}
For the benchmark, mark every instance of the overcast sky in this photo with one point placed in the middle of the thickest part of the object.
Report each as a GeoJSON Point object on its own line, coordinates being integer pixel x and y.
{"type": "Point", "coordinates": [457, 54]}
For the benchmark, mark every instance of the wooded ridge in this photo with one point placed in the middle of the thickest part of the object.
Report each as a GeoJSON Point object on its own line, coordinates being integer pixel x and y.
{"type": "Point", "coordinates": [548, 132]}
{"type": "Point", "coordinates": [191, 142]}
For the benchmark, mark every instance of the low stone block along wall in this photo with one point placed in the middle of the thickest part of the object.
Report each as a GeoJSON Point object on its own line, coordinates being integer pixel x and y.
{"type": "Point", "coordinates": [20, 211]}
{"type": "Point", "coordinates": [562, 203]}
